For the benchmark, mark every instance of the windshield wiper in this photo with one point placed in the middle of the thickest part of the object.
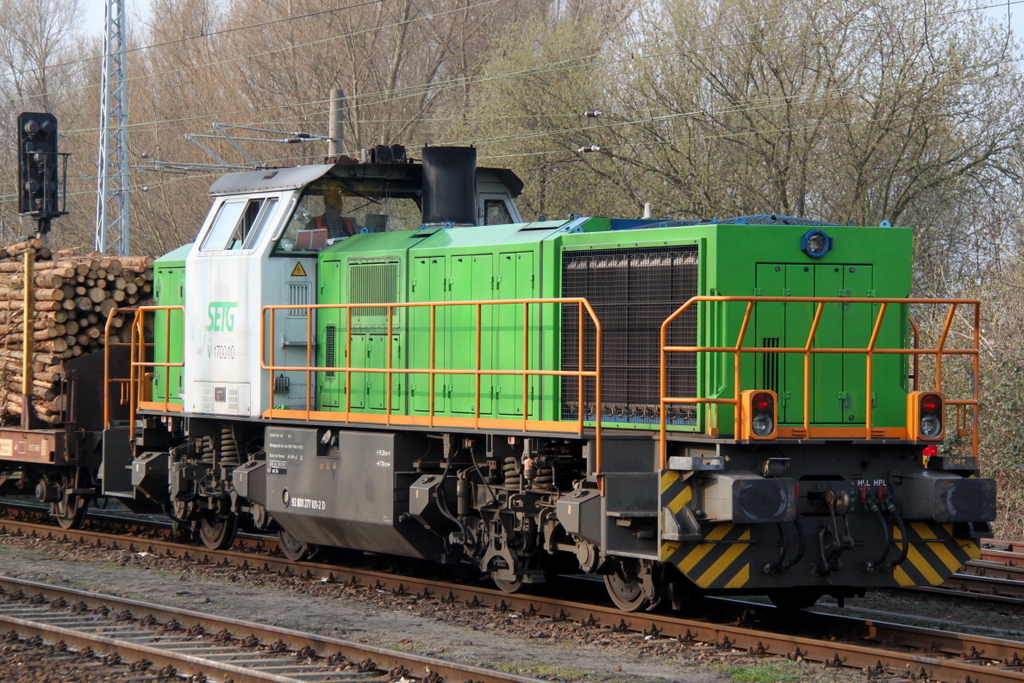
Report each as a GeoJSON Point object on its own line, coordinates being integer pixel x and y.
{"type": "Point", "coordinates": [357, 192]}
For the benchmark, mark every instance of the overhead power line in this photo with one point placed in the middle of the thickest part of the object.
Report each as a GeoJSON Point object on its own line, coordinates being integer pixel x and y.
{"type": "Point", "coordinates": [385, 97]}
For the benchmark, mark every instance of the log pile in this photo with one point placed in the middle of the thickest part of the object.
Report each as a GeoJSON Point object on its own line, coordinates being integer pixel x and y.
{"type": "Point", "coordinates": [73, 297]}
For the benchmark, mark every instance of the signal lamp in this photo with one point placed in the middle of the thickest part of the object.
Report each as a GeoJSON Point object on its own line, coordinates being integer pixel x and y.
{"type": "Point", "coordinates": [924, 416]}
{"type": "Point", "coordinates": [39, 175]}
{"type": "Point", "coordinates": [815, 243]}
{"type": "Point", "coordinates": [757, 414]}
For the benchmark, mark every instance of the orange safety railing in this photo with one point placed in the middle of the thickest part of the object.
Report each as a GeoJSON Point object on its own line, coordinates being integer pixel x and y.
{"type": "Point", "coordinates": [123, 382]}
{"type": "Point", "coordinates": [807, 350]}
{"type": "Point", "coordinates": [139, 389]}
{"type": "Point", "coordinates": [584, 309]}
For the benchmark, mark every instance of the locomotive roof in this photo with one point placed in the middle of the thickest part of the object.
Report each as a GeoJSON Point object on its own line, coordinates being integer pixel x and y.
{"type": "Point", "coordinates": [296, 177]}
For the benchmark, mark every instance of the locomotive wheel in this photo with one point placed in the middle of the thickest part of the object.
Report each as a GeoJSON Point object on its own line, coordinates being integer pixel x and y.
{"type": "Point", "coordinates": [507, 585]}
{"type": "Point", "coordinates": [511, 586]}
{"type": "Point", "coordinates": [218, 533]}
{"type": "Point", "coordinates": [70, 511]}
{"type": "Point", "coordinates": [631, 584]}
{"type": "Point", "coordinates": [294, 549]}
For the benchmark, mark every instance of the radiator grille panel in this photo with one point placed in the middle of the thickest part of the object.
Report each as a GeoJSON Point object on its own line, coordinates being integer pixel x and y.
{"type": "Point", "coordinates": [298, 295]}
{"type": "Point", "coordinates": [632, 291]}
{"type": "Point", "coordinates": [372, 283]}
{"type": "Point", "coordinates": [331, 352]}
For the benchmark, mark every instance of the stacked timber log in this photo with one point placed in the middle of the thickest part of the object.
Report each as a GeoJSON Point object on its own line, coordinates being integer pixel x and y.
{"type": "Point", "coordinates": [73, 297]}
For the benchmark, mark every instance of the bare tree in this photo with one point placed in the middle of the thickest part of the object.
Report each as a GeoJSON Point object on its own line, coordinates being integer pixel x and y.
{"type": "Point", "coordinates": [37, 51]}
{"type": "Point", "coordinates": [41, 69]}
{"type": "Point", "coordinates": [529, 109]}
{"type": "Point", "coordinates": [819, 108]}
{"type": "Point", "coordinates": [400, 63]}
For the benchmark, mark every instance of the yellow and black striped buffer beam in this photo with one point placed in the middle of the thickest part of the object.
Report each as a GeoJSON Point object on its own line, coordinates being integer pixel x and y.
{"type": "Point", "coordinates": [933, 554]}
{"type": "Point", "coordinates": [720, 560]}
{"type": "Point", "coordinates": [676, 490]}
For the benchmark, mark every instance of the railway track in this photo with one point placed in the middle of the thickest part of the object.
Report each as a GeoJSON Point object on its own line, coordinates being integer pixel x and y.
{"type": "Point", "coordinates": [962, 587]}
{"type": "Point", "coordinates": [1005, 553]}
{"type": "Point", "coordinates": [166, 641]}
{"type": "Point", "coordinates": [997, 578]}
{"type": "Point", "coordinates": [833, 640]}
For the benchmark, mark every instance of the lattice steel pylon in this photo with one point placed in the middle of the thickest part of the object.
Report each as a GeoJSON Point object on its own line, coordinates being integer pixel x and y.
{"type": "Point", "coordinates": [112, 203]}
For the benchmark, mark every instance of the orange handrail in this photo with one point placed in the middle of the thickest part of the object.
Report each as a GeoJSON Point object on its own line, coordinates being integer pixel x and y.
{"type": "Point", "coordinates": [916, 335]}
{"type": "Point", "coordinates": [107, 379]}
{"type": "Point", "coordinates": [869, 351]}
{"type": "Point", "coordinates": [138, 346]}
{"type": "Point", "coordinates": [267, 363]}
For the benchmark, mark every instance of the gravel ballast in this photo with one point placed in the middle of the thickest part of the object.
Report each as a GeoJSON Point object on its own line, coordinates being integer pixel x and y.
{"type": "Point", "coordinates": [534, 646]}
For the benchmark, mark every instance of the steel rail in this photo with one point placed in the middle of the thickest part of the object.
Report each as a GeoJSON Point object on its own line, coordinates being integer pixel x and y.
{"type": "Point", "coordinates": [1009, 556]}
{"type": "Point", "coordinates": [978, 581]}
{"type": "Point", "coordinates": [983, 585]}
{"type": "Point", "coordinates": [961, 589]}
{"type": "Point", "coordinates": [250, 541]}
{"type": "Point", "coordinates": [938, 655]}
{"type": "Point", "coordinates": [1015, 547]}
{"type": "Point", "coordinates": [284, 660]}
{"type": "Point", "coordinates": [974, 583]}
{"type": "Point", "coordinates": [1001, 570]}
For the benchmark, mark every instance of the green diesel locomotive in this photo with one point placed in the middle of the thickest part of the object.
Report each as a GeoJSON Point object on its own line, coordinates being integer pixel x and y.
{"type": "Point", "coordinates": [383, 356]}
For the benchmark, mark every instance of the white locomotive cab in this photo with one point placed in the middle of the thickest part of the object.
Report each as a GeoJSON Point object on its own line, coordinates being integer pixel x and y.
{"type": "Point", "coordinates": [224, 293]}
{"type": "Point", "coordinates": [258, 247]}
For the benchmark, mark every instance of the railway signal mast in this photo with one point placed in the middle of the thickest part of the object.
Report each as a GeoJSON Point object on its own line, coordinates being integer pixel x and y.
{"type": "Point", "coordinates": [41, 193]}
{"type": "Point", "coordinates": [112, 207]}
{"type": "Point", "coordinates": [41, 177]}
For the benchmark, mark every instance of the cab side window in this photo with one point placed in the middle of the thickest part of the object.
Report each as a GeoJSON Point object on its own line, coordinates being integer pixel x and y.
{"type": "Point", "coordinates": [496, 213]}
{"type": "Point", "coordinates": [288, 242]}
{"type": "Point", "coordinates": [238, 224]}
{"type": "Point", "coordinates": [260, 219]}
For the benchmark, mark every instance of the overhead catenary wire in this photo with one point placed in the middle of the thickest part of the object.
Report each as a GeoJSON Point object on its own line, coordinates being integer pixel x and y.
{"type": "Point", "coordinates": [388, 97]}
{"type": "Point", "coordinates": [199, 174]}
{"type": "Point", "coordinates": [204, 36]}
{"type": "Point", "coordinates": [234, 29]}
{"type": "Point", "coordinates": [279, 50]}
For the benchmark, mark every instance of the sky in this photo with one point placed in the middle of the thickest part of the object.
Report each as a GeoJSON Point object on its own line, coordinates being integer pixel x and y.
{"type": "Point", "coordinates": [94, 13]}
{"type": "Point", "coordinates": [1016, 12]}
{"type": "Point", "coordinates": [136, 10]}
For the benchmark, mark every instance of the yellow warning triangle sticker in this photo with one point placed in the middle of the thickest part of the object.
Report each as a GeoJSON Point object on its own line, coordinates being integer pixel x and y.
{"type": "Point", "coordinates": [298, 270]}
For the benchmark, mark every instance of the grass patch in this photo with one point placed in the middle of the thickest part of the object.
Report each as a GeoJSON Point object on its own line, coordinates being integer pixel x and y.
{"type": "Point", "coordinates": [769, 672]}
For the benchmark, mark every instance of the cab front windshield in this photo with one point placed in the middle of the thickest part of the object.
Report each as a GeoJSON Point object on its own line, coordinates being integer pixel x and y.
{"type": "Point", "coordinates": [332, 209]}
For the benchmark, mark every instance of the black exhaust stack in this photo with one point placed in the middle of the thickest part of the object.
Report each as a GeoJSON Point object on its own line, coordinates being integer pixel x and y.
{"type": "Point", "coordinates": [449, 185]}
